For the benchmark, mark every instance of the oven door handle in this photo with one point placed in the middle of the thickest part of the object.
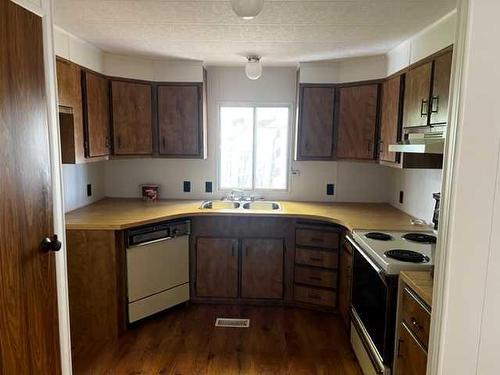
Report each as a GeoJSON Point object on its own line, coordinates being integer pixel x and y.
{"type": "Point", "coordinates": [367, 258]}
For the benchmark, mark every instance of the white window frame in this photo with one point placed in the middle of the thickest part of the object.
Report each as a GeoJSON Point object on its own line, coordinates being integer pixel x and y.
{"type": "Point", "coordinates": [290, 135]}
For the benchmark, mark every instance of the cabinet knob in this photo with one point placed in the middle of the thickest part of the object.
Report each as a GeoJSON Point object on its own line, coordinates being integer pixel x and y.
{"type": "Point", "coordinates": [51, 244]}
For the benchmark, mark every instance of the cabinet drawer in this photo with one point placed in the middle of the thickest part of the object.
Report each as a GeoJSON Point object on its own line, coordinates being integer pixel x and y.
{"type": "Point", "coordinates": [315, 296]}
{"type": "Point", "coordinates": [416, 316]}
{"type": "Point", "coordinates": [317, 238]}
{"type": "Point", "coordinates": [311, 276]}
{"type": "Point", "coordinates": [316, 258]}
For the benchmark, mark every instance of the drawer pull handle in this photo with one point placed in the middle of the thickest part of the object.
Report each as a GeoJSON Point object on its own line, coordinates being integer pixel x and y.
{"type": "Point", "coordinates": [313, 259]}
{"type": "Point", "coordinates": [315, 278]}
{"type": "Point", "coordinates": [316, 239]}
{"type": "Point", "coordinates": [415, 324]}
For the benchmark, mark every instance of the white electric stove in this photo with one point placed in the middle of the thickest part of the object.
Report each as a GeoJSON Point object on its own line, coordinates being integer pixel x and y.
{"type": "Point", "coordinates": [378, 258]}
{"type": "Point", "coordinates": [397, 251]}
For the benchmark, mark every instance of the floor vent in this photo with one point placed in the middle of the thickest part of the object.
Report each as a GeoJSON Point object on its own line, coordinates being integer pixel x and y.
{"type": "Point", "coordinates": [233, 323]}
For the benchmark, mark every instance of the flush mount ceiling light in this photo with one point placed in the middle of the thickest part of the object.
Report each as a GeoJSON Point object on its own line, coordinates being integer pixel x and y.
{"type": "Point", "coordinates": [247, 9]}
{"type": "Point", "coordinates": [253, 68]}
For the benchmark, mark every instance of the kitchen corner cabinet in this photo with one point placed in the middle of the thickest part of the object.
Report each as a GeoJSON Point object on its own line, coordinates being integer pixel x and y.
{"type": "Point", "coordinates": [181, 120]}
{"type": "Point", "coordinates": [95, 89]}
{"type": "Point", "coordinates": [390, 118]}
{"type": "Point", "coordinates": [357, 122]}
{"type": "Point", "coordinates": [217, 267]}
{"type": "Point", "coordinates": [262, 268]}
{"type": "Point", "coordinates": [427, 92]}
{"type": "Point", "coordinates": [132, 114]}
{"type": "Point", "coordinates": [316, 122]}
{"type": "Point", "coordinates": [345, 282]}
{"type": "Point", "coordinates": [70, 111]}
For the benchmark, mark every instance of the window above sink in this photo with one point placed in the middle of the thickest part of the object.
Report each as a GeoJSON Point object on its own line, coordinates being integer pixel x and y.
{"type": "Point", "coordinates": [254, 149]}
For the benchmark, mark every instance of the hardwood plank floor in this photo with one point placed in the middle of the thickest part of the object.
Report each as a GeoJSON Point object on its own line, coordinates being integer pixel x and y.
{"type": "Point", "coordinates": [184, 341]}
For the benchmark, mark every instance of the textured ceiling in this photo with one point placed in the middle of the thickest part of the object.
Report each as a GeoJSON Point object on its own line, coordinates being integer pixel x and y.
{"type": "Point", "coordinates": [285, 32]}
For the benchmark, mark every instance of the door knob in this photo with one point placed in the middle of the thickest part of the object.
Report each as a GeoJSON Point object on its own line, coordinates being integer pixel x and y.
{"type": "Point", "coordinates": [51, 244]}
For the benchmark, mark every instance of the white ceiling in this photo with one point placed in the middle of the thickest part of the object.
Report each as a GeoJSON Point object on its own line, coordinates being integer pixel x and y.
{"type": "Point", "coordinates": [286, 32]}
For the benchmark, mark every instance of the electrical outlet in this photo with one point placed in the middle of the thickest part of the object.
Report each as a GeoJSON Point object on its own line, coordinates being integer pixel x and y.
{"type": "Point", "coordinates": [89, 190]}
{"type": "Point", "coordinates": [208, 186]}
{"type": "Point", "coordinates": [187, 186]}
{"type": "Point", "coordinates": [401, 196]}
{"type": "Point", "coordinates": [330, 189]}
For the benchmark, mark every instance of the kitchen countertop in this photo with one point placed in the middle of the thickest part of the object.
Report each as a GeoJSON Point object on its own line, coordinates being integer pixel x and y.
{"type": "Point", "coordinates": [123, 213]}
{"type": "Point", "coordinates": [420, 282]}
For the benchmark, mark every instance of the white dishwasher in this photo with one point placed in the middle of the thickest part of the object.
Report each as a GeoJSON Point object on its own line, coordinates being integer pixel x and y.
{"type": "Point", "coordinates": [157, 268]}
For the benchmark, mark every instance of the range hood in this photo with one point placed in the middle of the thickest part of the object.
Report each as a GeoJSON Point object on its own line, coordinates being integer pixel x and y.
{"type": "Point", "coordinates": [421, 143]}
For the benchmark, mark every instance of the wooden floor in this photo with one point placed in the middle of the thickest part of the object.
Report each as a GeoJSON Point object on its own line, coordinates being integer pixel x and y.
{"type": "Point", "coordinates": [185, 341]}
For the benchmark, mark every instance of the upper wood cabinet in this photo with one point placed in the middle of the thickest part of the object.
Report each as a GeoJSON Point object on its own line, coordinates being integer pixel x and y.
{"type": "Point", "coordinates": [316, 123]}
{"type": "Point", "coordinates": [441, 89]}
{"type": "Point", "coordinates": [426, 92]}
{"type": "Point", "coordinates": [96, 114]}
{"type": "Point", "coordinates": [262, 268]}
{"type": "Point", "coordinates": [180, 120]}
{"type": "Point", "coordinates": [217, 267]}
{"type": "Point", "coordinates": [417, 90]}
{"type": "Point", "coordinates": [132, 118]}
{"type": "Point", "coordinates": [69, 94]}
{"type": "Point", "coordinates": [390, 116]}
{"type": "Point", "coordinates": [357, 122]}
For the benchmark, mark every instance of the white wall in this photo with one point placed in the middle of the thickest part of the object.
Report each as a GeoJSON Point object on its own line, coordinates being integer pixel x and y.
{"type": "Point", "coordinates": [418, 186]}
{"type": "Point", "coordinates": [344, 70]}
{"type": "Point", "coordinates": [470, 289]}
{"type": "Point", "coordinates": [433, 38]}
{"type": "Point", "coordinates": [153, 70]}
{"type": "Point", "coordinates": [354, 181]}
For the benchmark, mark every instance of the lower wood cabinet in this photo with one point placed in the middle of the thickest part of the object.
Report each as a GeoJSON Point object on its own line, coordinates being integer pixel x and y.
{"type": "Point", "coordinates": [217, 267]}
{"type": "Point", "coordinates": [262, 268]}
{"type": "Point", "coordinates": [247, 268]}
{"type": "Point", "coordinates": [316, 266]}
{"type": "Point", "coordinates": [411, 357]}
{"type": "Point", "coordinates": [345, 282]}
{"type": "Point", "coordinates": [96, 285]}
{"type": "Point", "coordinates": [413, 326]}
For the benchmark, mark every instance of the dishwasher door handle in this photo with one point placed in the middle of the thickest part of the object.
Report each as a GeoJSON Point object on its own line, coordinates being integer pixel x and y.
{"type": "Point", "coordinates": [150, 242]}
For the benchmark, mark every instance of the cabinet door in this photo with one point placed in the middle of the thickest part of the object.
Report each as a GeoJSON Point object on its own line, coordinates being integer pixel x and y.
{"type": "Point", "coordinates": [357, 124]}
{"type": "Point", "coordinates": [69, 93]}
{"type": "Point", "coordinates": [217, 267]}
{"type": "Point", "coordinates": [410, 356]}
{"type": "Point", "coordinates": [417, 91]}
{"type": "Point", "coordinates": [315, 128]}
{"type": "Point", "coordinates": [180, 120]}
{"type": "Point", "coordinates": [132, 118]}
{"type": "Point", "coordinates": [96, 114]}
{"type": "Point", "coordinates": [345, 272]}
{"type": "Point", "coordinates": [441, 89]}
{"type": "Point", "coordinates": [262, 268]}
{"type": "Point", "coordinates": [389, 118]}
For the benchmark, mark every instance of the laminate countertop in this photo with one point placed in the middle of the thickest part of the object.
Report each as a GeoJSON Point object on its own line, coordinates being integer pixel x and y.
{"type": "Point", "coordinates": [421, 282]}
{"type": "Point", "coordinates": [120, 213]}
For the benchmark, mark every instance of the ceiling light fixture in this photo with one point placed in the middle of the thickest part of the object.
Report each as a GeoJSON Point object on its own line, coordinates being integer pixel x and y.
{"type": "Point", "coordinates": [253, 68]}
{"type": "Point", "coordinates": [247, 9]}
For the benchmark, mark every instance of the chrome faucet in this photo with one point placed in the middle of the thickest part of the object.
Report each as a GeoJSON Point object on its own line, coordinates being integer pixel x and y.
{"type": "Point", "coordinates": [240, 195]}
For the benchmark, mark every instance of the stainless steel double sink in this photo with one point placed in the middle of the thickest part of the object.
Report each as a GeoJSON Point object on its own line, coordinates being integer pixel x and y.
{"type": "Point", "coordinates": [237, 205]}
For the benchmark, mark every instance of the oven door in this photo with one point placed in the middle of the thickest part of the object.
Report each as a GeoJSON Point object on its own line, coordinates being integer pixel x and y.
{"type": "Point", "coordinates": [373, 307]}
